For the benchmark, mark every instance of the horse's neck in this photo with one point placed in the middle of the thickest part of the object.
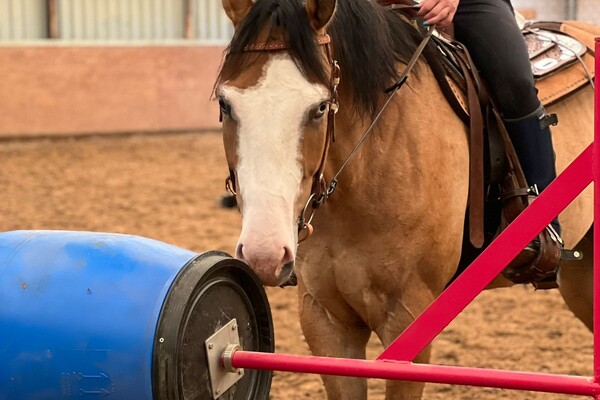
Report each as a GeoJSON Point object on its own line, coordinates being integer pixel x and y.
{"type": "Point", "coordinates": [418, 149]}
{"type": "Point", "coordinates": [397, 216]}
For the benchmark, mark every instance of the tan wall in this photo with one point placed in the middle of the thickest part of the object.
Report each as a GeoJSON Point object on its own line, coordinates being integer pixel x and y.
{"type": "Point", "coordinates": [74, 90]}
{"type": "Point", "coordinates": [589, 11]}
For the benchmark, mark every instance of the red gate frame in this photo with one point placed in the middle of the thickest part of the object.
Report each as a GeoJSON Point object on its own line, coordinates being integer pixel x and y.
{"type": "Point", "coordinates": [395, 361]}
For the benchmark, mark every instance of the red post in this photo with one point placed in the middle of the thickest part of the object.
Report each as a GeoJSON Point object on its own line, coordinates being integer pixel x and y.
{"type": "Point", "coordinates": [596, 169]}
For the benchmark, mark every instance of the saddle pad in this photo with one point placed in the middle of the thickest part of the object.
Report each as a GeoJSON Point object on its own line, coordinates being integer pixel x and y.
{"type": "Point", "coordinates": [566, 79]}
{"type": "Point", "coordinates": [550, 52]}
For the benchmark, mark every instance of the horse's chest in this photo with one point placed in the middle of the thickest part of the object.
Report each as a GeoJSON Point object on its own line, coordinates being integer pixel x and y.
{"type": "Point", "coordinates": [346, 294]}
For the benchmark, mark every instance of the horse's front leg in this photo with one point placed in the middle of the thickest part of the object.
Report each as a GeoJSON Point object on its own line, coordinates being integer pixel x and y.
{"type": "Point", "coordinates": [398, 319]}
{"type": "Point", "coordinates": [328, 336]}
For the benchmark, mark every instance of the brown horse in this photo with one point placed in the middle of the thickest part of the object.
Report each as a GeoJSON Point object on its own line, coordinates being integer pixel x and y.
{"type": "Point", "coordinates": [388, 241]}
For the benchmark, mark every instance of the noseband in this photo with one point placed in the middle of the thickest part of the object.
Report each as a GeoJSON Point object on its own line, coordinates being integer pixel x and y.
{"type": "Point", "coordinates": [319, 189]}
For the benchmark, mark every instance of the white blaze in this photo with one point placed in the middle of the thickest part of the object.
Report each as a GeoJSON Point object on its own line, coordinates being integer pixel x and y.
{"type": "Point", "coordinates": [270, 117]}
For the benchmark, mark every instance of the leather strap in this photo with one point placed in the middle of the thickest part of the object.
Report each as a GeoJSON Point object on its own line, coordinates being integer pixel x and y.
{"type": "Point", "coordinates": [280, 44]}
{"type": "Point", "coordinates": [319, 186]}
{"type": "Point", "coordinates": [514, 192]}
{"type": "Point", "coordinates": [476, 172]}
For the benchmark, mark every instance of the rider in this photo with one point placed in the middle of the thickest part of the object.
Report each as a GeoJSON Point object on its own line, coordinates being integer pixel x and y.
{"type": "Point", "coordinates": [489, 30]}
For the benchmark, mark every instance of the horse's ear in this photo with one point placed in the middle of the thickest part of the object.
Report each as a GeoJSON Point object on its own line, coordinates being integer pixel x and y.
{"type": "Point", "coordinates": [320, 12]}
{"type": "Point", "coordinates": [236, 10]}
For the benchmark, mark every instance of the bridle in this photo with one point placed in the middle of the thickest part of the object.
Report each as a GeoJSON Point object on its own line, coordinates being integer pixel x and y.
{"type": "Point", "coordinates": [320, 189]}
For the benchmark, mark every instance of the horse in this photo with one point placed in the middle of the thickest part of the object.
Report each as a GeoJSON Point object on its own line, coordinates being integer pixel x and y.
{"type": "Point", "coordinates": [388, 241]}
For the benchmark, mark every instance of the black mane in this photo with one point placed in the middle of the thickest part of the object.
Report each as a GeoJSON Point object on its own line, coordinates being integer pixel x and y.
{"type": "Point", "coordinates": [368, 42]}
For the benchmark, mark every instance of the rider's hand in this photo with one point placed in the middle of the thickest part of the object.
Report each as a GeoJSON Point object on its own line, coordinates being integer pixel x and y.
{"type": "Point", "coordinates": [438, 12]}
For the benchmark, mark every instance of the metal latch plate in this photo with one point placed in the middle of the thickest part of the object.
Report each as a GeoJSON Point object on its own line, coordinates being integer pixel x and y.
{"type": "Point", "coordinates": [220, 379]}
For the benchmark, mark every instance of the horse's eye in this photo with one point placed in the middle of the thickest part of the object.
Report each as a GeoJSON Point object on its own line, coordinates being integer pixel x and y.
{"type": "Point", "coordinates": [225, 107]}
{"type": "Point", "coordinates": [319, 112]}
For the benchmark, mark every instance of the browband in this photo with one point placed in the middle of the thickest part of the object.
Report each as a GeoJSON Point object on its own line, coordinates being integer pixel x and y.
{"type": "Point", "coordinates": [280, 44]}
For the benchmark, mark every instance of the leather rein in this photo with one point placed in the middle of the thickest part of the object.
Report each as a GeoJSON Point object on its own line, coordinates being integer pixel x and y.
{"type": "Point", "coordinates": [320, 190]}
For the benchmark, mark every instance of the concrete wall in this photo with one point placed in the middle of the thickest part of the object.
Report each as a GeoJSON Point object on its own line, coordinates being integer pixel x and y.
{"type": "Point", "coordinates": [58, 89]}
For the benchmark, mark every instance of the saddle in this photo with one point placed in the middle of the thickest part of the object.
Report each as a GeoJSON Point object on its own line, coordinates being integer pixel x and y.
{"type": "Point", "coordinates": [562, 61]}
{"type": "Point", "coordinates": [562, 57]}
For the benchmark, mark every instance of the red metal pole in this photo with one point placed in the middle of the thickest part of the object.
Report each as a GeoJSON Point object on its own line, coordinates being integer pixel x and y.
{"type": "Point", "coordinates": [488, 265]}
{"type": "Point", "coordinates": [596, 170]}
{"type": "Point", "coordinates": [574, 385]}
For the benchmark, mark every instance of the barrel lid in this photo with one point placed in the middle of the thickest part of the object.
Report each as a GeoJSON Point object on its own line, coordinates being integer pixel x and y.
{"type": "Point", "coordinates": [210, 291]}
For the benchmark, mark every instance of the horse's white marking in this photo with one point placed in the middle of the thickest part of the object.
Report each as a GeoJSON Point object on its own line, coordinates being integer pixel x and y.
{"type": "Point", "coordinates": [270, 118]}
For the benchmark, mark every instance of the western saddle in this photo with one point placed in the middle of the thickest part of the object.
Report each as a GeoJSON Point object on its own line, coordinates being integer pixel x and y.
{"type": "Point", "coordinates": [562, 61]}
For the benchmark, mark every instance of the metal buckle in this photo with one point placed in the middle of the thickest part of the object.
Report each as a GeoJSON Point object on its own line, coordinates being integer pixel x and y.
{"type": "Point", "coordinates": [305, 229]}
{"type": "Point", "coordinates": [229, 186]}
{"type": "Point", "coordinates": [302, 218]}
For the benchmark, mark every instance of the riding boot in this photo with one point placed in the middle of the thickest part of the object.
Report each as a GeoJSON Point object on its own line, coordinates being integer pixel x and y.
{"type": "Point", "coordinates": [532, 140]}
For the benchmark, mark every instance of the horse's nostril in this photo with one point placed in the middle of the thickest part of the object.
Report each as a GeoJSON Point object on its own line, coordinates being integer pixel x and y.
{"type": "Point", "coordinates": [288, 256]}
{"type": "Point", "coordinates": [239, 254]}
{"type": "Point", "coordinates": [285, 273]}
{"type": "Point", "coordinates": [287, 268]}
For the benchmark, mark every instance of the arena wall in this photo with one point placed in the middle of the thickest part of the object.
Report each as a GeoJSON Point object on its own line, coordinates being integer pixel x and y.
{"type": "Point", "coordinates": [58, 89]}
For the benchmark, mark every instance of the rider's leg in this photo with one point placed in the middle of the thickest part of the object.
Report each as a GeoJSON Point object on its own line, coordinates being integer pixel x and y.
{"type": "Point", "coordinates": [489, 30]}
{"type": "Point", "coordinates": [533, 142]}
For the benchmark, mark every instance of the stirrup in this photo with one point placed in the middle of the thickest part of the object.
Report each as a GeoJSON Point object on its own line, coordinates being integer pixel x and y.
{"type": "Point", "coordinates": [539, 262]}
{"type": "Point", "coordinates": [570, 255]}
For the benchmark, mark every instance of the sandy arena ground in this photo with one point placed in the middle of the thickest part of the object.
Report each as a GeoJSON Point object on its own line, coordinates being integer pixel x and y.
{"type": "Point", "coordinates": [167, 186]}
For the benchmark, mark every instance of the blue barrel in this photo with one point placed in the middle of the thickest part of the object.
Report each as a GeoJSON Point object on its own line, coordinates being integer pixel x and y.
{"type": "Point", "coordinates": [98, 315]}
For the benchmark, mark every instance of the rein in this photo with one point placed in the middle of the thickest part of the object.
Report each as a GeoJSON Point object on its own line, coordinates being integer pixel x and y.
{"type": "Point", "coordinates": [315, 200]}
{"type": "Point", "coordinates": [320, 190]}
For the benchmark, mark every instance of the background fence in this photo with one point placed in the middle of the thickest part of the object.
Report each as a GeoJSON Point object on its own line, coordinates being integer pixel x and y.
{"type": "Point", "coordinates": [165, 20]}
{"type": "Point", "coordinates": [114, 20]}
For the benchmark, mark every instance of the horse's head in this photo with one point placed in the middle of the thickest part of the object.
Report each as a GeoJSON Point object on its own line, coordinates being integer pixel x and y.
{"type": "Point", "coordinates": [275, 103]}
